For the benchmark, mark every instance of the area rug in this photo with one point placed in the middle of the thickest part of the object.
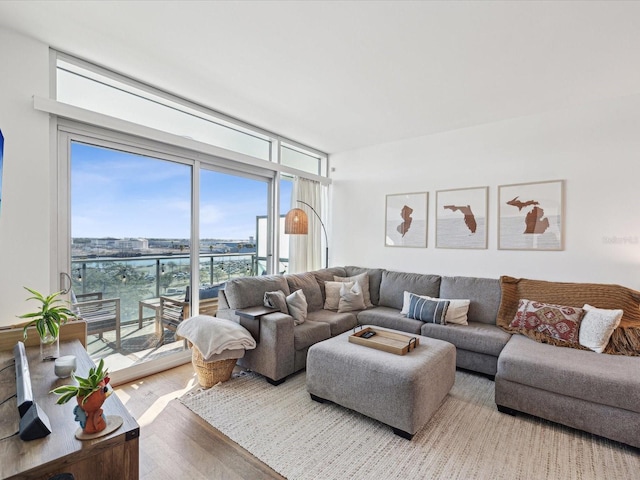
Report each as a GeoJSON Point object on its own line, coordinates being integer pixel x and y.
{"type": "Point", "coordinates": [466, 439]}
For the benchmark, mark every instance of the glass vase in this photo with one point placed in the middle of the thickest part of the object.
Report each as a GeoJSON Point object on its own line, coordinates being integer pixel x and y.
{"type": "Point", "coordinates": [49, 347]}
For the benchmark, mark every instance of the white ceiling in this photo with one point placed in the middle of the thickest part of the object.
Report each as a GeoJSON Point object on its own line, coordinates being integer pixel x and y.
{"type": "Point", "coordinates": [342, 75]}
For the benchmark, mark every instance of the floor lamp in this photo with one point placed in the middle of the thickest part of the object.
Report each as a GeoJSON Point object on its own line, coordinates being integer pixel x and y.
{"type": "Point", "coordinates": [297, 223]}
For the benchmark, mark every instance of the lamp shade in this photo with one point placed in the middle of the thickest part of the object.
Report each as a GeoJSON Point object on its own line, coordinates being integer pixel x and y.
{"type": "Point", "coordinates": [296, 222]}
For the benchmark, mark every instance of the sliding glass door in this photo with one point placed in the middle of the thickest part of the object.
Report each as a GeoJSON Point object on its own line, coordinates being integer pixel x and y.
{"type": "Point", "coordinates": [230, 206]}
{"type": "Point", "coordinates": [130, 246]}
{"type": "Point", "coordinates": [137, 245]}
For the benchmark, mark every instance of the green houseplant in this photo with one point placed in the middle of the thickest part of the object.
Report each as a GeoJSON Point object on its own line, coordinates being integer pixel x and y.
{"type": "Point", "coordinates": [90, 392]}
{"type": "Point", "coordinates": [97, 378]}
{"type": "Point", "coordinates": [53, 312]}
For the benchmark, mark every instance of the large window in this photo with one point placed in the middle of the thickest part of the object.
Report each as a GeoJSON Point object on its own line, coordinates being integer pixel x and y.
{"type": "Point", "coordinates": [133, 253]}
{"type": "Point", "coordinates": [82, 88]}
{"type": "Point", "coordinates": [130, 238]}
{"type": "Point", "coordinates": [164, 214]}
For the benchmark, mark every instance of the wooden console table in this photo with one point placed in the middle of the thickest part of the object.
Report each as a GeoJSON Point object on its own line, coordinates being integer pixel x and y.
{"type": "Point", "coordinates": [112, 456]}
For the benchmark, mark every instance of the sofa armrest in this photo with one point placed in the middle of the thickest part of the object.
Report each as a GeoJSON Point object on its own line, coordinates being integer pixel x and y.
{"type": "Point", "coordinates": [274, 356]}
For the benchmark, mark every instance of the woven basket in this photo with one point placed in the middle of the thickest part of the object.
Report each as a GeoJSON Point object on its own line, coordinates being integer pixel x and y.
{"type": "Point", "coordinates": [210, 373]}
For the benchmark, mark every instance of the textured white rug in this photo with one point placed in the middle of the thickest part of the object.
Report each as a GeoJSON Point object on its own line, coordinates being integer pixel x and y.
{"type": "Point", "coordinates": [466, 439]}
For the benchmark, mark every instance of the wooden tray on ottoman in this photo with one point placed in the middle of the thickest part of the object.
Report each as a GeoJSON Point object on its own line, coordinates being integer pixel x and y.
{"type": "Point", "coordinates": [391, 342]}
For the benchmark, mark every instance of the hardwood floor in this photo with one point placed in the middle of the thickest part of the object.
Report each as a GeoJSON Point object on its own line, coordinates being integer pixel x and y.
{"type": "Point", "coordinates": [174, 442]}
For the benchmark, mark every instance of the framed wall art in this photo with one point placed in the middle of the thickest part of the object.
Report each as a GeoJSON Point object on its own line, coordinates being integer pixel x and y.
{"type": "Point", "coordinates": [531, 216]}
{"type": "Point", "coordinates": [461, 218]}
{"type": "Point", "coordinates": [406, 220]}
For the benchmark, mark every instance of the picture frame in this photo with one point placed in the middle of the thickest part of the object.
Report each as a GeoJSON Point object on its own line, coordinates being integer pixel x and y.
{"type": "Point", "coordinates": [461, 218]}
{"type": "Point", "coordinates": [406, 216]}
{"type": "Point", "coordinates": [531, 216]}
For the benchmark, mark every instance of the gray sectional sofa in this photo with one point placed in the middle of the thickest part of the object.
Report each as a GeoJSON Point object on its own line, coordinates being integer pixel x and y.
{"type": "Point", "coordinates": [597, 393]}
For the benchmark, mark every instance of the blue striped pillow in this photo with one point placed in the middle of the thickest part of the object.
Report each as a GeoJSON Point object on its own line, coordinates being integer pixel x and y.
{"type": "Point", "coordinates": [428, 311]}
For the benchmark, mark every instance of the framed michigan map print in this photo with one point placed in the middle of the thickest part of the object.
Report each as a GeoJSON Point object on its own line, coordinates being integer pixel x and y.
{"type": "Point", "coordinates": [461, 218]}
{"type": "Point", "coordinates": [406, 220]}
{"type": "Point", "coordinates": [531, 216]}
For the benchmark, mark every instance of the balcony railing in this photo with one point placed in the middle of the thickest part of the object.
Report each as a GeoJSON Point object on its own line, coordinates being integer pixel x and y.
{"type": "Point", "coordinates": [133, 279]}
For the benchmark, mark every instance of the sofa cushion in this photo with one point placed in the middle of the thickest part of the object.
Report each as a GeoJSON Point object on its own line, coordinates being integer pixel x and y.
{"type": "Point", "coordinates": [309, 285]}
{"type": "Point", "coordinates": [484, 294]}
{"type": "Point", "coordinates": [326, 275]}
{"type": "Point", "coordinates": [375, 277]}
{"type": "Point", "coordinates": [309, 333]}
{"type": "Point", "coordinates": [597, 326]}
{"type": "Point", "coordinates": [394, 284]}
{"type": "Point", "coordinates": [389, 318]}
{"type": "Point", "coordinates": [624, 340]}
{"type": "Point", "coordinates": [559, 322]}
{"type": "Point", "coordinates": [249, 291]}
{"type": "Point", "coordinates": [474, 337]}
{"type": "Point", "coordinates": [362, 280]}
{"type": "Point", "coordinates": [338, 322]}
{"type": "Point", "coordinates": [605, 379]}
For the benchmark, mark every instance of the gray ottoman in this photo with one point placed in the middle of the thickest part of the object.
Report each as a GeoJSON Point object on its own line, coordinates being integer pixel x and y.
{"type": "Point", "coordinates": [403, 391]}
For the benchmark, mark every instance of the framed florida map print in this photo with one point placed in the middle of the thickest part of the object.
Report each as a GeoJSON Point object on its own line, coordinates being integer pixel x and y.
{"type": "Point", "coordinates": [406, 220]}
{"type": "Point", "coordinates": [461, 218]}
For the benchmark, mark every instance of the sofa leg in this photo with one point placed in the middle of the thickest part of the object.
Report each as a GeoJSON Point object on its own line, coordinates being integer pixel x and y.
{"type": "Point", "coordinates": [315, 398]}
{"type": "Point", "coordinates": [507, 410]}
{"type": "Point", "coordinates": [275, 382]}
{"type": "Point", "coordinates": [402, 433]}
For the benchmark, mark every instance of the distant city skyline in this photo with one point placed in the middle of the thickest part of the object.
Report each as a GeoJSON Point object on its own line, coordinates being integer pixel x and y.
{"type": "Point", "coordinates": [123, 195]}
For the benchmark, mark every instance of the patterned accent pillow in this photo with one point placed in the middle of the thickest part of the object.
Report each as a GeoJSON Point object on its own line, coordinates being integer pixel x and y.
{"type": "Point", "coordinates": [276, 299]}
{"type": "Point", "coordinates": [456, 313]}
{"type": "Point", "coordinates": [597, 326]}
{"type": "Point", "coordinates": [427, 310]}
{"type": "Point", "coordinates": [560, 322]}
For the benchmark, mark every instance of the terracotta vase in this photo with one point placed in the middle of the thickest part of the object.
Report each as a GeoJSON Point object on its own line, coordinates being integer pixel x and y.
{"type": "Point", "coordinates": [89, 414]}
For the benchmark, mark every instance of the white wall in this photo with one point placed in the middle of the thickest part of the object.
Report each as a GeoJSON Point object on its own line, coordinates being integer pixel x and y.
{"type": "Point", "coordinates": [595, 148]}
{"type": "Point", "coordinates": [25, 218]}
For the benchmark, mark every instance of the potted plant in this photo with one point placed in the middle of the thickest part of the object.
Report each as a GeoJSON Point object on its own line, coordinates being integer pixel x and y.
{"type": "Point", "coordinates": [90, 392]}
{"type": "Point", "coordinates": [53, 313]}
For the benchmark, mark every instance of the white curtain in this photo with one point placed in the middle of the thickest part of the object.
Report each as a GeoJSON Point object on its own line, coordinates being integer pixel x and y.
{"type": "Point", "coordinates": [306, 252]}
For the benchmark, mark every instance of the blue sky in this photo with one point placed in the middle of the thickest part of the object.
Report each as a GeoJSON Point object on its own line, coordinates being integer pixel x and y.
{"type": "Point", "coordinates": [119, 194]}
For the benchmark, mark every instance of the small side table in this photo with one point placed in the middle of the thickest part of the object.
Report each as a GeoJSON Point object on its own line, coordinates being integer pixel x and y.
{"type": "Point", "coordinates": [250, 319]}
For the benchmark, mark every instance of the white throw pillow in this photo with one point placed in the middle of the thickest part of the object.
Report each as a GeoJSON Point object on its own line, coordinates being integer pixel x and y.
{"type": "Point", "coordinates": [456, 313]}
{"type": "Point", "coordinates": [332, 294]}
{"type": "Point", "coordinates": [351, 297]}
{"type": "Point", "coordinates": [363, 280]}
{"type": "Point", "coordinates": [297, 304]}
{"type": "Point", "coordinates": [597, 326]}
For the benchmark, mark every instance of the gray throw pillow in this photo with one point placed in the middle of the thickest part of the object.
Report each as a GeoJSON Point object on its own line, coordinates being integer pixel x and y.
{"type": "Point", "coordinates": [351, 297]}
{"type": "Point", "coordinates": [363, 281]}
{"type": "Point", "coordinates": [277, 300]}
{"type": "Point", "coordinates": [297, 304]}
